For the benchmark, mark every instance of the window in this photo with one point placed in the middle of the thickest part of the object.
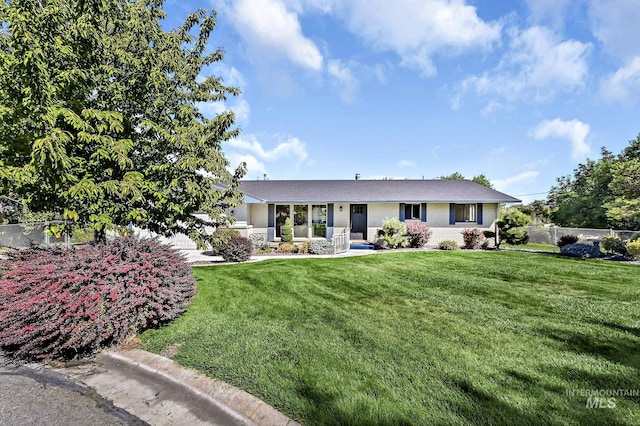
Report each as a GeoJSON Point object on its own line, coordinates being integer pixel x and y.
{"type": "Point", "coordinates": [412, 211]}
{"type": "Point", "coordinates": [300, 220]}
{"type": "Point", "coordinates": [282, 213]}
{"type": "Point", "coordinates": [299, 215]}
{"type": "Point", "coordinates": [319, 220]}
{"type": "Point", "coordinates": [465, 212]}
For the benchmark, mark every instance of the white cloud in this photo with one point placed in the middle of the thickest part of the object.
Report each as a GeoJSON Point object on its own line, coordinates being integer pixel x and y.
{"type": "Point", "coordinates": [624, 84]}
{"type": "Point", "coordinates": [271, 30]}
{"type": "Point", "coordinates": [345, 79]}
{"type": "Point", "coordinates": [519, 179]}
{"type": "Point", "coordinates": [416, 30]}
{"type": "Point", "coordinates": [211, 109]}
{"type": "Point", "coordinates": [292, 148]}
{"type": "Point", "coordinates": [615, 24]}
{"type": "Point", "coordinates": [537, 65]}
{"type": "Point", "coordinates": [230, 75]}
{"type": "Point", "coordinates": [241, 109]}
{"type": "Point", "coordinates": [574, 131]}
{"type": "Point", "coordinates": [553, 11]}
{"type": "Point", "coordinates": [406, 163]}
{"type": "Point", "coordinates": [255, 167]}
{"type": "Point", "coordinates": [287, 152]}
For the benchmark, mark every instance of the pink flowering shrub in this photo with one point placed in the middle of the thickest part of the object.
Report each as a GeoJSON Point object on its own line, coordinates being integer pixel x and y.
{"type": "Point", "coordinates": [64, 304]}
{"type": "Point", "coordinates": [418, 234]}
{"type": "Point", "coordinates": [473, 238]}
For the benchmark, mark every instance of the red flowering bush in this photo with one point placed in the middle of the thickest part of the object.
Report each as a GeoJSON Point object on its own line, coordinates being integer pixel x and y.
{"type": "Point", "coordinates": [418, 234]}
{"type": "Point", "coordinates": [472, 237]}
{"type": "Point", "coordinates": [61, 303]}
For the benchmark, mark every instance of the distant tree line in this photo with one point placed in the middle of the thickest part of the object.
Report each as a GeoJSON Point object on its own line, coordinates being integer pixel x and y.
{"type": "Point", "coordinates": [479, 179]}
{"type": "Point", "coordinates": [601, 193]}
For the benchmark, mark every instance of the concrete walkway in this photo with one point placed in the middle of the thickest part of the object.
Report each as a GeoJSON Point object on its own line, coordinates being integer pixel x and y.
{"type": "Point", "coordinates": [199, 256]}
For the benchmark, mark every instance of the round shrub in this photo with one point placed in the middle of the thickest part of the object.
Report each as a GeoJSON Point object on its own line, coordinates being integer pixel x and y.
{"type": "Point", "coordinates": [635, 236]}
{"type": "Point", "coordinates": [633, 249]}
{"type": "Point", "coordinates": [321, 247]}
{"type": "Point", "coordinates": [263, 249]}
{"type": "Point", "coordinates": [67, 303]}
{"type": "Point", "coordinates": [392, 234]}
{"type": "Point", "coordinates": [488, 244]}
{"type": "Point", "coordinates": [304, 247]}
{"type": "Point", "coordinates": [472, 238]}
{"type": "Point", "coordinates": [515, 236]}
{"type": "Point", "coordinates": [237, 249]}
{"type": "Point", "coordinates": [565, 240]}
{"type": "Point", "coordinates": [580, 250]}
{"type": "Point", "coordinates": [418, 234]}
{"type": "Point", "coordinates": [287, 248]}
{"type": "Point", "coordinates": [222, 236]}
{"type": "Point", "coordinates": [511, 223]}
{"type": "Point", "coordinates": [613, 244]}
{"type": "Point", "coordinates": [448, 245]}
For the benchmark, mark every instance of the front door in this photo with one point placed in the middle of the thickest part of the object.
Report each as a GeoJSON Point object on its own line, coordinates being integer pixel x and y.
{"type": "Point", "coordinates": [358, 221]}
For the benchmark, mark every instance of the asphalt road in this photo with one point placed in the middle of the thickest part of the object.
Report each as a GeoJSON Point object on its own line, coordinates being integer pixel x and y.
{"type": "Point", "coordinates": [40, 397]}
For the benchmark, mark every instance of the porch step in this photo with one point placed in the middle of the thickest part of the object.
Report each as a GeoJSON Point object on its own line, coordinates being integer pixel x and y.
{"type": "Point", "coordinates": [355, 245]}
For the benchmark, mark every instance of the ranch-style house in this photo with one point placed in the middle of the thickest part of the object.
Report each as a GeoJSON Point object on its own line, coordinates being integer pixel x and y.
{"type": "Point", "coordinates": [356, 209]}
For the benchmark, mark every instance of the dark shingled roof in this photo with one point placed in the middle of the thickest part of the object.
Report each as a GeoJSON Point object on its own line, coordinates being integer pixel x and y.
{"type": "Point", "coordinates": [362, 191]}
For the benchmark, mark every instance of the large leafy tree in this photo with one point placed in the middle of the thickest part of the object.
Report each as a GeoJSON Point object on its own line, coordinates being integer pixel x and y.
{"type": "Point", "coordinates": [579, 200]}
{"type": "Point", "coordinates": [601, 193]}
{"type": "Point", "coordinates": [624, 209]}
{"type": "Point", "coordinates": [99, 118]}
{"type": "Point", "coordinates": [538, 210]}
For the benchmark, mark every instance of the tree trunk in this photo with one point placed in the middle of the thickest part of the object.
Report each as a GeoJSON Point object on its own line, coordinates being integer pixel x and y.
{"type": "Point", "coordinates": [99, 236]}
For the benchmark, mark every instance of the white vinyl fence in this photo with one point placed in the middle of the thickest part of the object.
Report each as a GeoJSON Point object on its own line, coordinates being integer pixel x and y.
{"type": "Point", "coordinates": [550, 234]}
{"type": "Point", "coordinates": [23, 235]}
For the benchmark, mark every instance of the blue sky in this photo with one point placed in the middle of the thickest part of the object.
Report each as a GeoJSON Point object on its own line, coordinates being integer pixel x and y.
{"type": "Point", "coordinates": [521, 91]}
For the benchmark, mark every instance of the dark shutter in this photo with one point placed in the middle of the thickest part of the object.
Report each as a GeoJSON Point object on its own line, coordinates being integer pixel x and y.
{"type": "Point", "coordinates": [423, 214]}
{"type": "Point", "coordinates": [479, 213]}
{"type": "Point", "coordinates": [452, 214]}
{"type": "Point", "coordinates": [401, 215]}
{"type": "Point", "coordinates": [271, 220]}
{"type": "Point", "coordinates": [329, 215]}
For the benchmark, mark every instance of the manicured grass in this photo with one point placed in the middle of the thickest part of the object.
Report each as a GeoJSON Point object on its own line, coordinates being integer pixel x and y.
{"type": "Point", "coordinates": [535, 247]}
{"type": "Point", "coordinates": [420, 337]}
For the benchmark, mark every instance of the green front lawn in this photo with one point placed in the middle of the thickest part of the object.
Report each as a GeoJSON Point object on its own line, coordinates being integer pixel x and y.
{"type": "Point", "coordinates": [419, 337]}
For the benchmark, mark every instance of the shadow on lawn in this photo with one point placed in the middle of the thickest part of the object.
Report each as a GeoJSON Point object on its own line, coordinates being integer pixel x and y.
{"type": "Point", "coordinates": [484, 408]}
{"type": "Point", "coordinates": [633, 330]}
{"type": "Point", "coordinates": [618, 348]}
{"type": "Point", "coordinates": [324, 410]}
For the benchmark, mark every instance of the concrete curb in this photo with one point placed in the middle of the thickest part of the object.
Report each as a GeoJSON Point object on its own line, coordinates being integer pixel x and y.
{"type": "Point", "coordinates": [236, 402]}
{"type": "Point", "coordinates": [161, 392]}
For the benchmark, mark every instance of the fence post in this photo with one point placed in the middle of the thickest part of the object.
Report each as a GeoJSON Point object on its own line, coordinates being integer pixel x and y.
{"type": "Point", "coordinates": [555, 233]}
{"type": "Point", "coordinates": [67, 235]}
{"type": "Point", "coordinates": [46, 234]}
{"type": "Point", "coordinates": [613, 234]}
